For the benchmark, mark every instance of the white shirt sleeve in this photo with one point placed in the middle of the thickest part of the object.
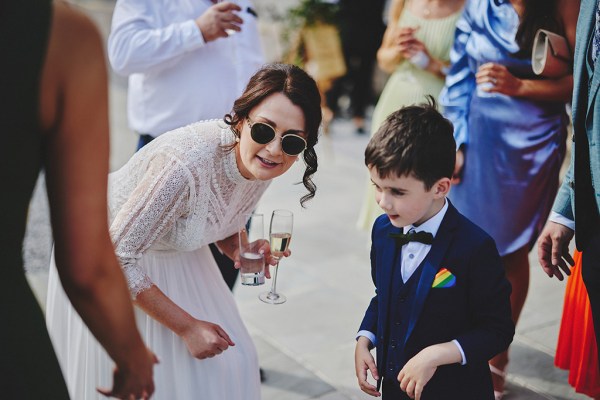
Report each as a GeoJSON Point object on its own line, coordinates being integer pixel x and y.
{"type": "Point", "coordinates": [136, 43]}
{"type": "Point", "coordinates": [462, 353]}
{"type": "Point", "coordinates": [368, 335]}
{"type": "Point", "coordinates": [560, 219]}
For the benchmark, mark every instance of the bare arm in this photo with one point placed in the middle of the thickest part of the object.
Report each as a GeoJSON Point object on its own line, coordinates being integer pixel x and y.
{"type": "Point", "coordinates": [503, 81]}
{"type": "Point", "coordinates": [420, 369]}
{"type": "Point", "coordinates": [388, 55]}
{"type": "Point", "coordinates": [74, 115]}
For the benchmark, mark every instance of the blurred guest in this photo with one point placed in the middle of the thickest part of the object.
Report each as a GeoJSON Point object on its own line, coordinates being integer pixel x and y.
{"type": "Point", "coordinates": [361, 29]}
{"type": "Point", "coordinates": [576, 209]}
{"type": "Point", "coordinates": [54, 115]}
{"type": "Point", "coordinates": [510, 128]}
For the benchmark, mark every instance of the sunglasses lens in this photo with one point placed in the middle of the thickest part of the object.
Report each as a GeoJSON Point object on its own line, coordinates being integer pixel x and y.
{"type": "Point", "coordinates": [293, 145]}
{"type": "Point", "coordinates": [262, 133]}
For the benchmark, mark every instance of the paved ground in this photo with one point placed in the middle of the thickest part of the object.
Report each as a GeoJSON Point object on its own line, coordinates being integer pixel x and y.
{"type": "Point", "coordinates": [306, 345]}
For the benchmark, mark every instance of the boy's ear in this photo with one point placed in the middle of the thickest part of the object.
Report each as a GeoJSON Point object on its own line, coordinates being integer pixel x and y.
{"type": "Point", "coordinates": [442, 187]}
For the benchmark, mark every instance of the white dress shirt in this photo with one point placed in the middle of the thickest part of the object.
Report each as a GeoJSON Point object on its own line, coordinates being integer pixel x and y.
{"type": "Point", "coordinates": [175, 77]}
{"type": "Point", "coordinates": [560, 219]}
{"type": "Point", "coordinates": [413, 254]}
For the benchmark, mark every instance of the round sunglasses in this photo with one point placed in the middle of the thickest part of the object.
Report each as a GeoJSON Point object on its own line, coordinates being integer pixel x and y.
{"type": "Point", "coordinates": [262, 133]}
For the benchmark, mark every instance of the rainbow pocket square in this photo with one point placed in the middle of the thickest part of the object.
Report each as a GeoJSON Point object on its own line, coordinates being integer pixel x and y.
{"type": "Point", "coordinates": [444, 279]}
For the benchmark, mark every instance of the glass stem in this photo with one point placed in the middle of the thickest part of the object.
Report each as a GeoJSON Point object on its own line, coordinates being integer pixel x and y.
{"type": "Point", "coordinates": [274, 282]}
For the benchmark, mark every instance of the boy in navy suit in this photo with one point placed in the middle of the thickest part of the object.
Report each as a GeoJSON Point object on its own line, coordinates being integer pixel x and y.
{"type": "Point", "coordinates": [441, 308]}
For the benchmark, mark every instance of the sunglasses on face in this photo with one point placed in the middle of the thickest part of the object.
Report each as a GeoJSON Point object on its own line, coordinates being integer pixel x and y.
{"type": "Point", "coordinates": [291, 143]}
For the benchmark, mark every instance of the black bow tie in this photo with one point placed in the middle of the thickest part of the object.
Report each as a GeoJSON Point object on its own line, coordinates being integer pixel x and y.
{"type": "Point", "coordinates": [404, 238]}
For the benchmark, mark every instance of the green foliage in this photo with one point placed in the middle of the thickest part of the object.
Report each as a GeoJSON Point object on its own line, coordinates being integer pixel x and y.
{"type": "Point", "coordinates": [311, 12]}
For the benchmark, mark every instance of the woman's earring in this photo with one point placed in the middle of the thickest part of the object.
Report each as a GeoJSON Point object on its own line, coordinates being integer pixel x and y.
{"type": "Point", "coordinates": [237, 139]}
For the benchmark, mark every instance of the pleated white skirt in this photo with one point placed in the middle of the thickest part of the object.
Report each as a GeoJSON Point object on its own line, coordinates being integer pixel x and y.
{"type": "Point", "coordinates": [193, 281]}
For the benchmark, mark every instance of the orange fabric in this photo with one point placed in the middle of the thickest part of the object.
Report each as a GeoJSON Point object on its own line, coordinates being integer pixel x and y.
{"type": "Point", "coordinates": [577, 349]}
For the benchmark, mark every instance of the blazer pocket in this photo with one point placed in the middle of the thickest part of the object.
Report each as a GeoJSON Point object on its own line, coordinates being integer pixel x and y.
{"type": "Point", "coordinates": [444, 279]}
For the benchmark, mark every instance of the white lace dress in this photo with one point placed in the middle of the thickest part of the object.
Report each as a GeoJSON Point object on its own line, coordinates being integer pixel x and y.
{"type": "Point", "coordinates": [173, 198]}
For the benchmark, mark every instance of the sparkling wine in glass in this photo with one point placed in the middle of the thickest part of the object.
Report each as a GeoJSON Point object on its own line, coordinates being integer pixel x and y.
{"type": "Point", "coordinates": [280, 234]}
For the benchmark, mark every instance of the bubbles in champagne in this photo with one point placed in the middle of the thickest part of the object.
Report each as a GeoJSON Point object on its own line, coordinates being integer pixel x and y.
{"type": "Point", "coordinates": [280, 243]}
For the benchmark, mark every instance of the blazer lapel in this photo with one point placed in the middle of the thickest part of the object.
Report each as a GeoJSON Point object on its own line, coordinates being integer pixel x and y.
{"type": "Point", "coordinates": [387, 263]}
{"type": "Point", "coordinates": [431, 265]}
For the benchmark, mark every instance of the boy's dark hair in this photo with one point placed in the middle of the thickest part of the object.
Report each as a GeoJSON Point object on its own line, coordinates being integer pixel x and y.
{"type": "Point", "coordinates": [415, 140]}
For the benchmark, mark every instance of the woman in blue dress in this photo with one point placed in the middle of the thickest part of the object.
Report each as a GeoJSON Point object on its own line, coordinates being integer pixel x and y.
{"type": "Point", "coordinates": [510, 129]}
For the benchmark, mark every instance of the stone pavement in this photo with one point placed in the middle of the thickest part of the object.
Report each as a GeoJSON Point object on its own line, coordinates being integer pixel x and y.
{"type": "Point", "coordinates": [306, 345]}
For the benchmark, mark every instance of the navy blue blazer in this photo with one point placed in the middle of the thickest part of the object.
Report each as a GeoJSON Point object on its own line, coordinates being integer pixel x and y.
{"type": "Point", "coordinates": [475, 311]}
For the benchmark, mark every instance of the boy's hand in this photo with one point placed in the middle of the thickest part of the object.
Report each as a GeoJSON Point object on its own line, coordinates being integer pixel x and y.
{"type": "Point", "coordinates": [416, 373]}
{"type": "Point", "coordinates": [363, 362]}
{"type": "Point", "coordinates": [419, 369]}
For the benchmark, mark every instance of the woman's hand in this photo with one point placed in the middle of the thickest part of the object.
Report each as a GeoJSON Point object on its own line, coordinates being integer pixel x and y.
{"type": "Point", "coordinates": [205, 339]}
{"type": "Point", "coordinates": [408, 46]}
{"type": "Point", "coordinates": [132, 380]}
{"type": "Point", "coordinates": [501, 80]}
{"type": "Point", "coordinates": [406, 43]}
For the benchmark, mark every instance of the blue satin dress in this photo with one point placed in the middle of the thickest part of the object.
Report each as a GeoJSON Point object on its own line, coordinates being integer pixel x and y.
{"type": "Point", "coordinates": [514, 147]}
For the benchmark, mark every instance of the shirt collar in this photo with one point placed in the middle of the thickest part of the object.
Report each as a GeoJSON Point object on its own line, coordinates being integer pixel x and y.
{"type": "Point", "coordinates": [432, 225]}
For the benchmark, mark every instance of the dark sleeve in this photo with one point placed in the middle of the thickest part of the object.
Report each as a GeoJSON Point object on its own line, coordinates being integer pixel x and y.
{"type": "Point", "coordinates": [369, 322]}
{"type": "Point", "coordinates": [489, 306]}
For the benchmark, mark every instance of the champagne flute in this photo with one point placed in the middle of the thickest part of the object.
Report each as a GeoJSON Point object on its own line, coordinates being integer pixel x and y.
{"type": "Point", "coordinates": [280, 233]}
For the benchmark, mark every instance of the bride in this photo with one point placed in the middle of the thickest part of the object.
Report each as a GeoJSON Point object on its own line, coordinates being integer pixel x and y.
{"type": "Point", "coordinates": [186, 189]}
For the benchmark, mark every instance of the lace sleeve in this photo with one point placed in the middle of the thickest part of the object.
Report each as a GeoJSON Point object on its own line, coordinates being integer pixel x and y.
{"type": "Point", "coordinates": [158, 200]}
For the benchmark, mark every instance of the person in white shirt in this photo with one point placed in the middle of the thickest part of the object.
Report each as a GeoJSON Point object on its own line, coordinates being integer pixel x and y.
{"type": "Point", "coordinates": [186, 61]}
{"type": "Point", "coordinates": [182, 64]}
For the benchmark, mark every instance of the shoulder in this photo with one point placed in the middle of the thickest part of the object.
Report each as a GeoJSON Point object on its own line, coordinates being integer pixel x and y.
{"type": "Point", "coordinates": [193, 139]}
{"type": "Point", "coordinates": [195, 145]}
{"type": "Point", "coordinates": [381, 226]}
{"type": "Point", "coordinates": [73, 31]}
{"type": "Point", "coordinates": [74, 61]}
{"type": "Point", "coordinates": [469, 232]}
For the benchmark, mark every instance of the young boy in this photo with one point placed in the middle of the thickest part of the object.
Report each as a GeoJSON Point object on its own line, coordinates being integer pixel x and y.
{"type": "Point", "coordinates": [441, 308]}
